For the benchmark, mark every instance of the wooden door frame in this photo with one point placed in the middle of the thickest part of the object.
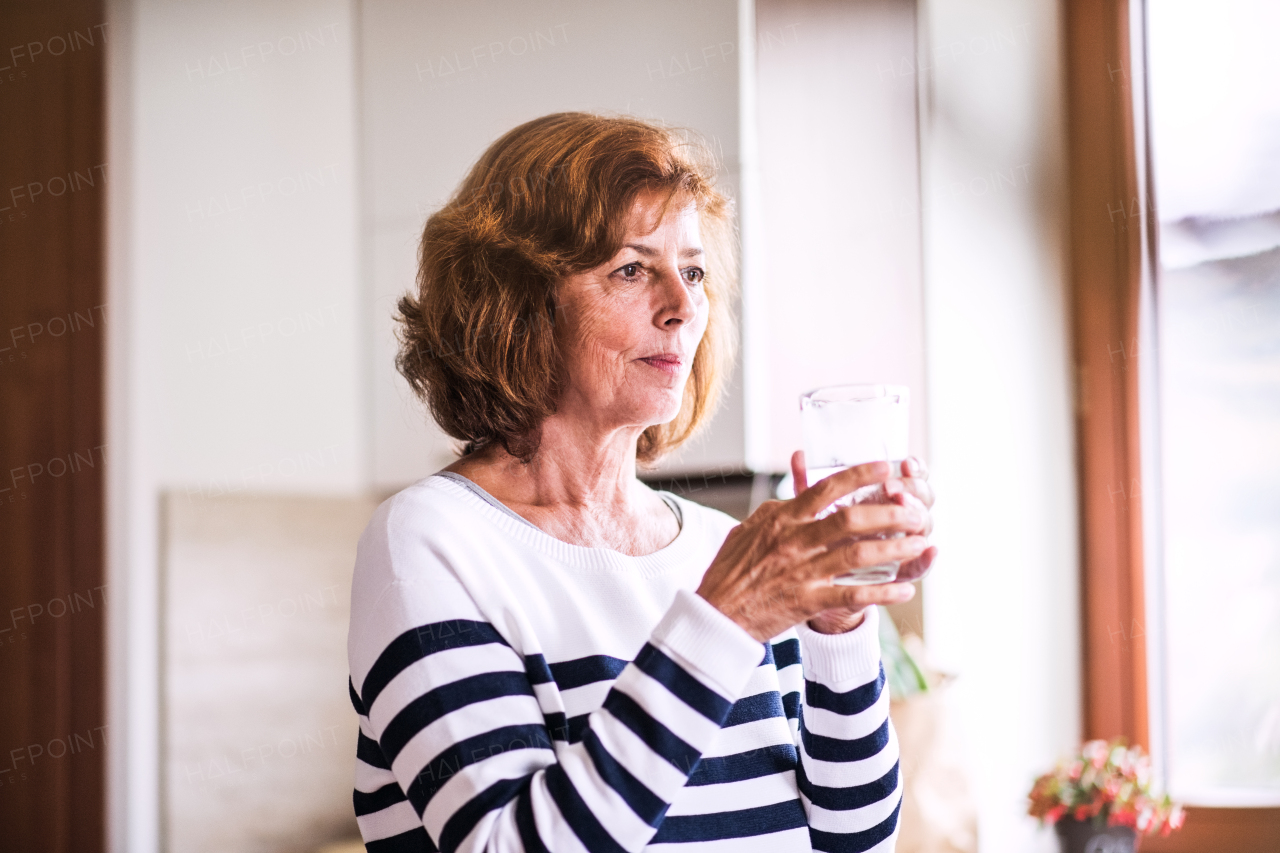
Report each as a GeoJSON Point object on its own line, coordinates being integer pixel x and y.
{"type": "Point", "coordinates": [53, 312]}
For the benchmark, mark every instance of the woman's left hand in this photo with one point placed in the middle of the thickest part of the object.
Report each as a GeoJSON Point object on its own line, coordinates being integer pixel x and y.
{"type": "Point", "coordinates": [912, 488]}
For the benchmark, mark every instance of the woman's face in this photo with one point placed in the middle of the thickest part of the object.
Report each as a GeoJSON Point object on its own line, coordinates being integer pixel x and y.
{"type": "Point", "coordinates": [629, 328]}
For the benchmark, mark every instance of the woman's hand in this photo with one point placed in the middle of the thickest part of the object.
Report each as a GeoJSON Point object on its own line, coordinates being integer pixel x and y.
{"type": "Point", "coordinates": [775, 570]}
{"type": "Point", "coordinates": [913, 489]}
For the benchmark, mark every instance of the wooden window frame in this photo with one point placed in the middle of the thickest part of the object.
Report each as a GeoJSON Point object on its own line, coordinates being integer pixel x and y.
{"type": "Point", "coordinates": [1107, 246]}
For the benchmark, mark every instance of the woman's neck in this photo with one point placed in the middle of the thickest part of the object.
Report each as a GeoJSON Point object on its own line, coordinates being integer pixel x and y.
{"type": "Point", "coordinates": [579, 487]}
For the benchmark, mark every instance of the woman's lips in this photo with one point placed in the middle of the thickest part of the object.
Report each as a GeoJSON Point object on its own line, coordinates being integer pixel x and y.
{"type": "Point", "coordinates": [666, 363]}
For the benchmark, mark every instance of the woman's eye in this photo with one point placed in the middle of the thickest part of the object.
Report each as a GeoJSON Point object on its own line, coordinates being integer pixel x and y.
{"type": "Point", "coordinates": [630, 270]}
{"type": "Point", "coordinates": [694, 275]}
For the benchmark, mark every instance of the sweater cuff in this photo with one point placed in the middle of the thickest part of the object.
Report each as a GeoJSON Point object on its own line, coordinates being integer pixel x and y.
{"type": "Point", "coordinates": [853, 656]}
{"type": "Point", "coordinates": [709, 644]}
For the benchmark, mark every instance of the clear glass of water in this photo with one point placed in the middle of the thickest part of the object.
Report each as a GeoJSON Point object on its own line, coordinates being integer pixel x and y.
{"type": "Point", "coordinates": [847, 425]}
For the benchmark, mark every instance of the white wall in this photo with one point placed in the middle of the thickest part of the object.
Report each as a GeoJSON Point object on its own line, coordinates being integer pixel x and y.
{"type": "Point", "coordinates": [1001, 607]}
{"type": "Point", "coordinates": [440, 82]}
{"type": "Point", "coordinates": [838, 297]}
{"type": "Point", "coordinates": [236, 347]}
{"type": "Point", "coordinates": [245, 244]}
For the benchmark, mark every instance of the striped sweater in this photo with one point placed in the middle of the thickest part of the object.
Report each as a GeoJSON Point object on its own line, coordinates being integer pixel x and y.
{"type": "Point", "coordinates": [518, 693]}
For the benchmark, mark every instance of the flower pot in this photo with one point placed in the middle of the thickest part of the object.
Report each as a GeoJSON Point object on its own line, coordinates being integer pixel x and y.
{"type": "Point", "coordinates": [1084, 836]}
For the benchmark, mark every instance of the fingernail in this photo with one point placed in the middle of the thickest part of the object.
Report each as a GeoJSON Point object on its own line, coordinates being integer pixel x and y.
{"type": "Point", "coordinates": [913, 466]}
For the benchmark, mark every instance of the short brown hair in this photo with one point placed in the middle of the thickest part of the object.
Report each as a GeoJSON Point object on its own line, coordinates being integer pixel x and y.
{"type": "Point", "coordinates": [550, 199]}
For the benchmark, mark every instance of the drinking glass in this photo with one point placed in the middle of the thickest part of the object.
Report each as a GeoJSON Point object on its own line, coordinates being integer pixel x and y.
{"type": "Point", "coordinates": [847, 425]}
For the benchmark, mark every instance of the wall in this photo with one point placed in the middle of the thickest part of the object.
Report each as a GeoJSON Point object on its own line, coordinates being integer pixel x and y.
{"type": "Point", "coordinates": [1001, 607]}
{"type": "Point", "coordinates": [260, 736]}
{"type": "Point", "coordinates": [236, 350]}
{"type": "Point", "coordinates": [246, 245]}
{"type": "Point", "coordinates": [838, 298]}
{"type": "Point", "coordinates": [441, 82]}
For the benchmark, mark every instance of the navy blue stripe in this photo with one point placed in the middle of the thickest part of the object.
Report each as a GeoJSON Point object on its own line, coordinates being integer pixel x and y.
{"type": "Point", "coordinates": [525, 822]}
{"type": "Point", "coordinates": [853, 797]}
{"type": "Point", "coordinates": [658, 737]}
{"type": "Point", "coordinates": [833, 749]}
{"type": "Point", "coordinates": [786, 653]}
{"type": "Point", "coordinates": [761, 820]}
{"type": "Point", "coordinates": [791, 705]}
{"type": "Point", "coordinates": [415, 840]}
{"type": "Point", "coordinates": [375, 801]}
{"type": "Point", "coordinates": [584, 824]}
{"type": "Point", "coordinates": [557, 724]}
{"type": "Point", "coordinates": [766, 761]}
{"type": "Point", "coordinates": [768, 655]}
{"type": "Point", "coordinates": [434, 704]}
{"type": "Point", "coordinates": [417, 643]}
{"type": "Point", "coordinates": [762, 706]}
{"type": "Point", "coordinates": [355, 699]}
{"type": "Point", "coordinates": [459, 825]}
{"type": "Point", "coordinates": [854, 842]}
{"type": "Point", "coordinates": [439, 770]}
{"type": "Point", "coordinates": [368, 751]}
{"type": "Point", "coordinates": [535, 666]}
{"type": "Point", "coordinates": [647, 805]}
{"type": "Point", "coordinates": [576, 673]}
{"type": "Point", "coordinates": [530, 840]}
{"type": "Point", "coordinates": [690, 690]}
{"type": "Point", "coordinates": [570, 729]}
{"type": "Point", "coordinates": [854, 701]}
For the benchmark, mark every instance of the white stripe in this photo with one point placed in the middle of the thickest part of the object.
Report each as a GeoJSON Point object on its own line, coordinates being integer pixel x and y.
{"type": "Point", "coordinates": [462, 724]}
{"type": "Point", "coordinates": [845, 774]}
{"type": "Point", "coordinates": [748, 736]}
{"type": "Point", "coordinates": [853, 820]}
{"type": "Point", "coordinates": [820, 721]}
{"type": "Point", "coordinates": [437, 670]}
{"type": "Point", "coordinates": [585, 699]}
{"type": "Point", "coordinates": [392, 820]}
{"type": "Point", "coordinates": [370, 778]}
{"type": "Point", "coordinates": [474, 778]}
{"type": "Point", "coordinates": [638, 757]}
{"type": "Point", "coordinates": [603, 801]}
{"type": "Point", "coordinates": [669, 709]}
{"type": "Point", "coordinates": [733, 796]}
{"type": "Point", "coordinates": [763, 680]}
{"type": "Point", "coordinates": [552, 826]}
{"type": "Point", "coordinates": [774, 842]}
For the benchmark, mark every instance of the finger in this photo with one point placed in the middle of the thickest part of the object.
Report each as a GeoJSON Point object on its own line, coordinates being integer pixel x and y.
{"type": "Point", "coordinates": [864, 553]}
{"type": "Point", "coordinates": [822, 494]}
{"type": "Point", "coordinates": [799, 476]}
{"type": "Point", "coordinates": [860, 520]}
{"type": "Point", "coordinates": [914, 570]}
{"type": "Point", "coordinates": [919, 488]}
{"type": "Point", "coordinates": [914, 467]}
{"type": "Point", "coordinates": [834, 596]}
{"type": "Point", "coordinates": [907, 499]}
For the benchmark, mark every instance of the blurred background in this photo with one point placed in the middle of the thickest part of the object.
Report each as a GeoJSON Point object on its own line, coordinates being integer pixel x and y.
{"type": "Point", "coordinates": [1058, 223]}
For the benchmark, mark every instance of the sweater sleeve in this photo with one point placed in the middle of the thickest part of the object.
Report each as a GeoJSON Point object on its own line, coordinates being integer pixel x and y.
{"type": "Point", "coordinates": [456, 752]}
{"type": "Point", "coordinates": [848, 772]}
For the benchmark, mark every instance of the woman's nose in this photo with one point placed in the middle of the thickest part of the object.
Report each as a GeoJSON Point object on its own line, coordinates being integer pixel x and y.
{"type": "Point", "coordinates": [678, 306]}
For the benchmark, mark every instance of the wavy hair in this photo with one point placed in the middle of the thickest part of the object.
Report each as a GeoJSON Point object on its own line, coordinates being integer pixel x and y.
{"type": "Point", "coordinates": [549, 199]}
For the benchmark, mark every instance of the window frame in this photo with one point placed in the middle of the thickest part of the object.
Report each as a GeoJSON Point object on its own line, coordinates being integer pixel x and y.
{"type": "Point", "coordinates": [1112, 248]}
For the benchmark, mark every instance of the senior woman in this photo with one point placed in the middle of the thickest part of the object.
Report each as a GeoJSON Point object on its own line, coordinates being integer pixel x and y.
{"type": "Point", "coordinates": [545, 653]}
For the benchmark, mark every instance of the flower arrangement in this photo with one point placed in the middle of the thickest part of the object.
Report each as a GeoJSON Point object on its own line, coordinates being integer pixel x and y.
{"type": "Point", "coordinates": [1106, 781]}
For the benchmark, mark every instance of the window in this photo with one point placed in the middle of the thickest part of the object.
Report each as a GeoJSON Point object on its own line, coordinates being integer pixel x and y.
{"type": "Point", "coordinates": [1214, 142]}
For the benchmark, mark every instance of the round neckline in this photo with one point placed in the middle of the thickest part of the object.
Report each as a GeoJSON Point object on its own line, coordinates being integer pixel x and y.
{"type": "Point", "coordinates": [671, 556]}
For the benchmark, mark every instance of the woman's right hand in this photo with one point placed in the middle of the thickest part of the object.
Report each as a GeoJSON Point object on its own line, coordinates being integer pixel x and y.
{"type": "Point", "coordinates": [775, 570]}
